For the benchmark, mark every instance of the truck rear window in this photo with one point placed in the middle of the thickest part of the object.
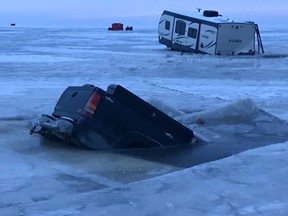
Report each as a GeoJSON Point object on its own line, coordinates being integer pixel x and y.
{"type": "Point", "coordinates": [73, 101]}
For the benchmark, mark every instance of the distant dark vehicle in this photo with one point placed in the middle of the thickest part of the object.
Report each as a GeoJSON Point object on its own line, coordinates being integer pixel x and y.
{"type": "Point", "coordinates": [119, 27]}
{"type": "Point", "coordinates": [112, 119]}
{"type": "Point", "coordinates": [129, 28]}
{"type": "Point", "coordinates": [13, 24]}
{"type": "Point", "coordinates": [116, 27]}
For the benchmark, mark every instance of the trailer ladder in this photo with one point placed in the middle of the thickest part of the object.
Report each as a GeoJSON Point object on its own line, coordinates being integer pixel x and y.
{"type": "Point", "coordinates": [259, 40]}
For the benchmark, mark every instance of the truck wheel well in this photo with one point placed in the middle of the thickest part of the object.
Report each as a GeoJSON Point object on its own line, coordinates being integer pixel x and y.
{"type": "Point", "coordinates": [136, 140]}
{"type": "Point", "coordinates": [136, 145]}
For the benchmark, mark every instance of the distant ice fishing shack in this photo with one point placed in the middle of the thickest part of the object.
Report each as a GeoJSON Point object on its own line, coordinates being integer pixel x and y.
{"type": "Point", "coordinates": [209, 33]}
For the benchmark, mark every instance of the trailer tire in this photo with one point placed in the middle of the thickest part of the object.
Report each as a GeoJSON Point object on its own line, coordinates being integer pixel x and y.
{"type": "Point", "coordinates": [210, 13]}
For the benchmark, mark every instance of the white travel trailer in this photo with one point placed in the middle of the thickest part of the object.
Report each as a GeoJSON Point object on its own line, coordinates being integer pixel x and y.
{"type": "Point", "coordinates": [209, 33]}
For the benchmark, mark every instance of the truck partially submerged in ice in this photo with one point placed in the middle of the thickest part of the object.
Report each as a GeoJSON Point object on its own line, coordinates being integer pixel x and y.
{"type": "Point", "coordinates": [209, 33]}
{"type": "Point", "coordinates": [112, 119]}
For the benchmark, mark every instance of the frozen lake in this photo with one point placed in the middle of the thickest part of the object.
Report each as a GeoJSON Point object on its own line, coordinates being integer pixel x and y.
{"type": "Point", "coordinates": [243, 101]}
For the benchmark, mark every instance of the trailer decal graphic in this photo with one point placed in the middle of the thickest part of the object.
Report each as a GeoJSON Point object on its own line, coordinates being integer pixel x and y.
{"type": "Point", "coordinates": [211, 44]}
{"type": "Point", "coordinates": [162, 34]}
{"type": "Point", "coordinates": [210, 31]}
{"type": "Point", "coordinates": [181, 40]}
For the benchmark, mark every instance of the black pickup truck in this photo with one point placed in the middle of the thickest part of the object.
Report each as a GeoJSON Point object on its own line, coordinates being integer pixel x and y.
{"type": "Point", "coordinates": [112, 119]}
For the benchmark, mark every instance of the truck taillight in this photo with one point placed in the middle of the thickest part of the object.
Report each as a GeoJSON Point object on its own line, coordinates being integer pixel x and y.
{"type": "Point", "coordinates": [91, 105]}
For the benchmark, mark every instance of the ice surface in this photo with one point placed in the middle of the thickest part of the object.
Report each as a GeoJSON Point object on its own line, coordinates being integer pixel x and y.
{"type": "Point", "coordinates": [241, 101]}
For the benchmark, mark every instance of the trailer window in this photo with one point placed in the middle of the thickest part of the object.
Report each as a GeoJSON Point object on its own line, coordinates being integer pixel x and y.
{"type": "Point", "coordinates": [180, 27]}
{"type": "Point", "coordinates": [167, 25]}
{"type": "Point", "coordinates": [192, 32]}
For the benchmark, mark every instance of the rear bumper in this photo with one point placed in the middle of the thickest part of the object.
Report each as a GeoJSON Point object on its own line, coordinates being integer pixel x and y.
{"type": "Point", "coordinates": [49, 125]}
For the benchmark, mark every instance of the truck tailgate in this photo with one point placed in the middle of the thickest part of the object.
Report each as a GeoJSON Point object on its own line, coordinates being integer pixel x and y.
{"type": "Point", "coordinates": [73, 101]}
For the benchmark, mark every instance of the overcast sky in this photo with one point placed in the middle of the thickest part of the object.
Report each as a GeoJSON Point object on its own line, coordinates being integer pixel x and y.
{"type": "Point", "coordinates": [144, 12]}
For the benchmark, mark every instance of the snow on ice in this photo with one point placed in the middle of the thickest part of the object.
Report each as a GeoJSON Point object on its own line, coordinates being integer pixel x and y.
{"type": "Point", "coordinates": [242, 101]}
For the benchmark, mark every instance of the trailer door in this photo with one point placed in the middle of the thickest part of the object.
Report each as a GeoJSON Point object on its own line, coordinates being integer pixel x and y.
{"type": "Point", "coordinates": [185, 35]}
{"type": "Point", "coordinates": [192, 33]}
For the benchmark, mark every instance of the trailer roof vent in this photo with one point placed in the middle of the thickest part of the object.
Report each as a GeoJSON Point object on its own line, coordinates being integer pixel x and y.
{"type": "Point", "coordinates": [210, 13]}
